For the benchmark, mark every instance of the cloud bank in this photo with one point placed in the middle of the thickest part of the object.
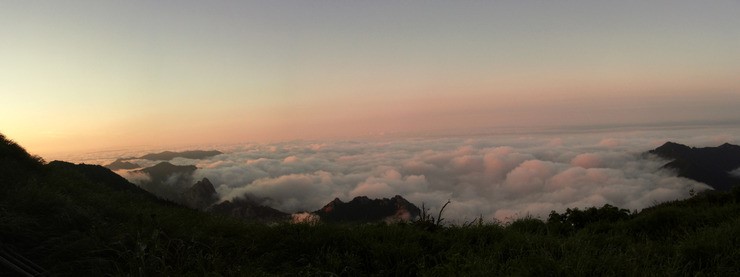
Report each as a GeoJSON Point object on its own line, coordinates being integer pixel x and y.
{"type": "Point", "coordinates": [495, 177]}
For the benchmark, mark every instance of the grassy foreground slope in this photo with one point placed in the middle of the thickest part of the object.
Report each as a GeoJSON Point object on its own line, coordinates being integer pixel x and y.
{"type": "Point", "coordinates": [78, 220]}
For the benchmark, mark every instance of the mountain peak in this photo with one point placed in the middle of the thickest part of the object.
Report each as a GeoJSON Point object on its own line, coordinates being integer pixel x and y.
{"type": "Point", "coordinates": [729, 146]}
{"type": "Point", "coordinates": [709, 165]}
{"type": "Point", "coordinates": [122, 164]}
{"type": "Point", "coordinates": [670, 150]}
{"type": "Point", "coordinates": [204, 185]}
{"type": "Point", "coordinates": [167, 180]}
{"type": "Point", "coordinates": [399, 198]}
{"type": "Point", "coordinates": [165, 169]}
{"type": "Point", "coordinates": [168, 165]}
{"type": "Point", "coordinates": [329, 207]}
{"type": "Point", "coordinates": [191, 154]}
{"type": "Point", "coordinates": [248, 209]}
{"type": "Point", "coordinates": [364, 209]}
{"type": "Point", "coordinates": [361, 199]}
{"type": "Point", "coordinates": [201, 195]}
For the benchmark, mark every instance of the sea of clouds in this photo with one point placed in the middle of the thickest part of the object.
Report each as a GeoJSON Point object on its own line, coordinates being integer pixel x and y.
{"type": "Point", "coordinates": [496, 177]}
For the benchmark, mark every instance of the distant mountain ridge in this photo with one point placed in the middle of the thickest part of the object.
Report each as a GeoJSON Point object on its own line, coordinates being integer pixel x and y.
{"type": "Point", "coordinates": [364, 209]}
{"type": "Point", "coordinates": [167, 180]}
{"type": "Point", "coordinates": [120, 164]}
{"type": "Point", "coordinates": [191, 154]}
{"type": "Point", "coordinates": [709, 165]}
{"type": "Point", "coordinates": [124, 164]}
{"type": "Point", "coordinates": [247, 209]}
{"type": "Point", "coordinates": [98, 174]}
{"type": "Point", "coordinates": [161, 172]}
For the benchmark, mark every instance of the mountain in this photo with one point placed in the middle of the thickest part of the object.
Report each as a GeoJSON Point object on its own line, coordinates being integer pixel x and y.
{"type": "Point", "coordinates": [97, 174]}
{"type": "Point", "coordinates": [119, 164]}
{"type": "Point", "coordinates": [16, 161]}
{"type": "Point", "coordinates": [709, 165]}
{"type": "Point", "coordinates": [245, 208]}
{"type": "Point", "coordinates": [364, 209]}
{"type": "Point", "coordinates": [169, 155]}
{"type": "Point", "coordinates": [166, 180]}
{"type": "Point", "coordinates": [54, 215]}
{"type": "Point", "coordinates": [201, 195]}
{"type": "Point", "coordinates": [162, 172]}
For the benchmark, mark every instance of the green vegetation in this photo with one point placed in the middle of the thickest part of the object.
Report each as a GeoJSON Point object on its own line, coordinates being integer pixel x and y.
{"type": "Point", "coordinates": [72, 223]}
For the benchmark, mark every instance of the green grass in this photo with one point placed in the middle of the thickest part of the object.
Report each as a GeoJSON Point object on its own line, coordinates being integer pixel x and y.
{"type": "Point", "coordinates": [71, 225]}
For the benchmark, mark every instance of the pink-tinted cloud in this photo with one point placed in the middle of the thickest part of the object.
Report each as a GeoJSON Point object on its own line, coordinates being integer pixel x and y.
{"type": "Point", "coordinates": [494, 177]}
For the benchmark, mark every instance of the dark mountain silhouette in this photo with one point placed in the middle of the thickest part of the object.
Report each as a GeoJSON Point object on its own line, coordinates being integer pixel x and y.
{"type": "Point", "coordinates": [161, 172]}
{"type": "Point", "coordinates": [97, 174]}
{"type": "Point", "coordinates": [45, 206]}
{"type": "Point", "coordinates": [167, 180]}
{"type": "Point", "coordinates": [709, 165]}
{"type": "Point", "coordinates": [14, 158]}
{"type": "Point", "coordinates": [169, 155]}
{"type": "Point", "coordinates": [201, 195]}
{"type": "Point", "coordinates": [16, 165]}
{"type": "Point", "coordinates": [246, 208]}
{"type": "Point", "coordinates": [364, 209]}
{"type": "Point", "coordinates": [119, 164]}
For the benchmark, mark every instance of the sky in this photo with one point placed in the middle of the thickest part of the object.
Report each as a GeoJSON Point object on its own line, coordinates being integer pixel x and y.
{"type": "Point", "coordinates": [92, 75]}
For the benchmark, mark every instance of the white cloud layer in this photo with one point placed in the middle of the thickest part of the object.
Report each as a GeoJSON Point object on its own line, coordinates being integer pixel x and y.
{"type": "Point", "coordinates": [735, 172]}
{"type": "Point", "coordinates": [498, 178]}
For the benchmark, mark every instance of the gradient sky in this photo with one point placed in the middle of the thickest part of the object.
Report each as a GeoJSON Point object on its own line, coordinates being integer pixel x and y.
{"type": "Point", "coordinates": [87, 75]}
